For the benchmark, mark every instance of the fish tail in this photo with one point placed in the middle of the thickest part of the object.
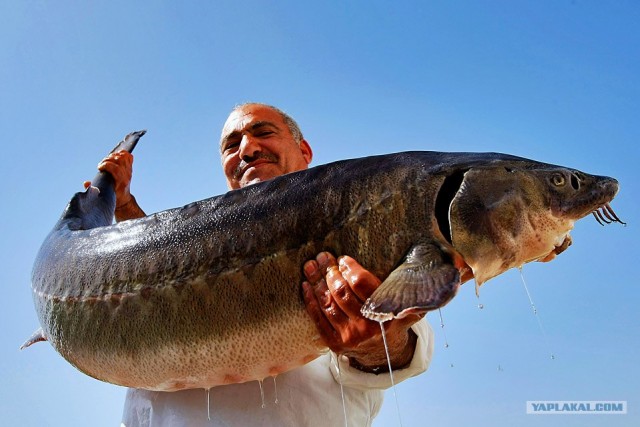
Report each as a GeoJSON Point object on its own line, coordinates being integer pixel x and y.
{"type": "Point", "coordinates": [95, 206]}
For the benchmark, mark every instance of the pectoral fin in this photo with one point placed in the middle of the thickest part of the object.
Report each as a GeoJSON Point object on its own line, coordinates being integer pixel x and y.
{"type": "Point", "coordinates": [36, 337]}
{"type": "Point", "coordinates": [425, 281]}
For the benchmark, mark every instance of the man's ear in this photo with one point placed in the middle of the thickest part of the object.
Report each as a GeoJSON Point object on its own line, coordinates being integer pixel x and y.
{"type": "Point", "coordinates": [307, 153]}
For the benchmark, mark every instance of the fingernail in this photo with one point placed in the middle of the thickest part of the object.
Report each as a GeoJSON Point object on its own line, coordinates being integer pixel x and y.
{"type": "Point", "coordinates": [309, 268]}
{"type": "Point", "coordinates": [322, 258]}
{"type": "Point", "coordinates": [342, 265]}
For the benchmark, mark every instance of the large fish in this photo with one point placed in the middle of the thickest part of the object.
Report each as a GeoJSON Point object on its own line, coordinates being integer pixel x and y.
{"type": "Point", "coordinates": [210, 293]}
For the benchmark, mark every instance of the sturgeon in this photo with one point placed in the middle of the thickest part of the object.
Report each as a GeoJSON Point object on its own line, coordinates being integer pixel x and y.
{"type": "Point", "coordinates": [210, 293]}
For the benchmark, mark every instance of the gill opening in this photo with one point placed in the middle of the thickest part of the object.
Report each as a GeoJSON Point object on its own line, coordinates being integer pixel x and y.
{"type": "Point", "coordinates": [447, 192]}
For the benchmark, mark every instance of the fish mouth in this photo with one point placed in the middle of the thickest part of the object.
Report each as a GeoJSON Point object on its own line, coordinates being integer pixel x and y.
{"type": "Point", "coordinates": [606, 215]}
{"type": "Point", "coordinates": [562, 245]}
{"type": "Point", "coordinates": [603, 214]}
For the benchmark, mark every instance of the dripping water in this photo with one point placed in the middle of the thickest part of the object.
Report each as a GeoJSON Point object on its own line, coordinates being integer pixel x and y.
{"type": "Point", "coordinates": [344, 403]}
{"type": "Point", "coordinates": [209, 404]}
{"type": "Point", "coordinates": [262, 394]}
{"type": "Point", "coordinates": [393, 383]}
{"type": "Point", "coordinates": [275, 390]}
{"type": "Point", "coordinates": [480, 305]}
{"type": "Point", "coordinates": [446, 342]}
{"type": "Point", "coordinates": [535, 313]}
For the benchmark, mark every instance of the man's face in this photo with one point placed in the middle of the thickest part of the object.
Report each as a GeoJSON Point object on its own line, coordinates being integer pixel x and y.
{"type": "Point", "coordinates": [257, 145]}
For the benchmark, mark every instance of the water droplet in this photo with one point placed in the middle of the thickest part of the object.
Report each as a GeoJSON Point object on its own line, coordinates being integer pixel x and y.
{"type": "Point", "coordinates": [275, 390]}
{"type": "Point", "coordinates": [553, 357]}
{"type": "Point", "coordinates": [480, 306]}
{"type": "Point", "coordinates": [209, 404]}
{"type": "Point", "coordinates": [262, 394]}
{"type": "Point", "coordinates": [535, 313]}
{"type": "Point", "coordinates": [451, 365]}
{"type": "Point", "coordinates": [446, 345]}
{"type": "Point", "coordinates": [393, 384]}
{"type": "Point", "coordinates": [446, 342]}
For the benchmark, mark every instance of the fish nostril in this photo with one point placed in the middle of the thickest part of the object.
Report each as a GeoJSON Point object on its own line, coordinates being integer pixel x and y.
{"type": "Point", "coordinates": [575, 181]}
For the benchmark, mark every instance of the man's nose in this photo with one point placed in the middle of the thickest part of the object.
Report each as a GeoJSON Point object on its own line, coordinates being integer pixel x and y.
{"type": "Point", "coordinates": [249, 147]}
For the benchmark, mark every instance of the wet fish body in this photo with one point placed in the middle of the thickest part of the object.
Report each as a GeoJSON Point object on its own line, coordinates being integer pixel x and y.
{"type": "Point", "coordinates": [210, 294]}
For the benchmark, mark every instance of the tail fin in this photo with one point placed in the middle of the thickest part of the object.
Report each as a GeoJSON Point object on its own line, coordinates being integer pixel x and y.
{"type": "Point", "coordinates": [104, 180]}
{"type": "Point", "coordinates": [95, 206]}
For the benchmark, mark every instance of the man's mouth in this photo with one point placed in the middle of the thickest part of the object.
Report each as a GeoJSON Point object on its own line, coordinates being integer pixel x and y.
{"type": "Point", "coordinates": [243, 166]}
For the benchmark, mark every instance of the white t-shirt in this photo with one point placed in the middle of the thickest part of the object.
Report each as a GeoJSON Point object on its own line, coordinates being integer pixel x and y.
{"type": "Point", "coordinates": [306, 396]}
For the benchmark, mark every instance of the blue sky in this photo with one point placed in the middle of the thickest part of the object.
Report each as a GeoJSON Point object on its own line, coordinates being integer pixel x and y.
{"type": "Point", "coordinates": [556, 81]}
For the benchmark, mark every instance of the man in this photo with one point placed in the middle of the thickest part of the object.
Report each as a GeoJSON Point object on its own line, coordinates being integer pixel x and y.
{"type": "Point", "coordinates": [258, 143]}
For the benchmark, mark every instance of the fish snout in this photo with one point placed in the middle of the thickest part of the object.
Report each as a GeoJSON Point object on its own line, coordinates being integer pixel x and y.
{"type": "Point", "coordinates": [579, 194]}
{"type": "Point", "coordinates": [607, 188]}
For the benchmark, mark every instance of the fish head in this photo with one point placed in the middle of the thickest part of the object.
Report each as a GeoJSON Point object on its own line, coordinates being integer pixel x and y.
{"type": "Point", "coordinates": [506, 214]}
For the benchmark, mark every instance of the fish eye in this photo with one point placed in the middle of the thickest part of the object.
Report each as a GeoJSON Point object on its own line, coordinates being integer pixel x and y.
{"type": "Point", "coordinates": [558, 179]}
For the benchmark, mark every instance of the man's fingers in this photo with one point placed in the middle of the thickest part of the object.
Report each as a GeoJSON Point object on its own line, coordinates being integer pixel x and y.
{"type": "Point", "coordinates": [332, 318]}
{"type": "Point", "coordinates": [316, 270]}
{"type": "Point", "coordinates": [330, 307]}
{"type": "Point", "coordinates": [312, 271]}
{"type": "Point", "coordinates": [327, 332]}
{"type": "Point", "coordinates": [117, 163]}
{"type": "Point", "coordinates": [341, 292]}
{"type": "Point", "coordinates": [335, 288]}
{"type": "Point", "coordinates": [326, 261]}
{"type": "Point", "coordinates": [333, 296]}
{"type": "Point", "coordinates": [362, 282]}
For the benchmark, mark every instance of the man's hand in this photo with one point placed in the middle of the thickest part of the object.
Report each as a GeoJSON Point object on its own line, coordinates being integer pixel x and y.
{"type": "Point", "coordinates": [333, 295]}
{"type": "Point", "coordinates": [120, 166]}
